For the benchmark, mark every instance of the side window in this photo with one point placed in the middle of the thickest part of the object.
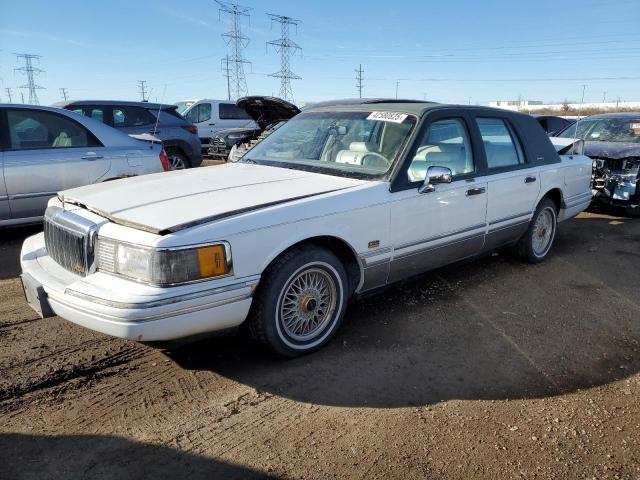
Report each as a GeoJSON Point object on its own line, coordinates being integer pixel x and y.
{"type": "Point", "coordinates": [131, 117]}
{"type": "Point", "coordinates": [97, 114]}
{"type": "Point", "coordinates": [39, 129]}
{"type": "Point", "coordinates": [501, 146]}
{"type": "Point", "coordinates": [192, 114]}
{"type": "Point", "coordinates": [444, 144]}
{"type": "Point", "coordinates": [229, 111]}
{"type": "Point", "coordinates": [204, 112]}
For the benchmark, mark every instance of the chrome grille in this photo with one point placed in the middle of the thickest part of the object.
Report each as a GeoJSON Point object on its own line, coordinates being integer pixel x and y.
{"type": "Point", "coordinates": [69, 240]}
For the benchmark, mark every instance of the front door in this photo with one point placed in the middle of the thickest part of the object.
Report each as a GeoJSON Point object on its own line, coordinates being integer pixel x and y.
{"type": "Point", "coordinates": [514, 186]}
{"type": "Point", "coordinates": [48, 152]}
{"type": "Point", "coordinates": [432, 229]}
{"type": "Point", "coordinates": [201, 115]}
{"type": "Point", "coordinates": [5, 213]}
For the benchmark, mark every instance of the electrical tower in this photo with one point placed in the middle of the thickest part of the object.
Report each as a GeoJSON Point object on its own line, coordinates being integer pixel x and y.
{"type": "Point", "coordinates": [31, 72]}
{"type": "Point", "coordinates": [234, 62]}
{"type": "Point", "coordinates": [285, 47]}
{"type": "Point", "coordinates": [143, 89]}
{"type": "Point", "coordinates": [64, 93]}
{"type": "Point", "coordinates": [359, 78]}
{"type": "Point", "coordinates": [8, 90]}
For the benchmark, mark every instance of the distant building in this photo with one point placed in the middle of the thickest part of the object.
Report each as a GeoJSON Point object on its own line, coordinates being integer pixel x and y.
{"type": "Point", "coordinates": [514, 104]}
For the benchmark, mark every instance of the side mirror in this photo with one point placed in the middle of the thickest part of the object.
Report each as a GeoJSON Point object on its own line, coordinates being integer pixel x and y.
{"type": "Point", "coordinates": [434, 176]}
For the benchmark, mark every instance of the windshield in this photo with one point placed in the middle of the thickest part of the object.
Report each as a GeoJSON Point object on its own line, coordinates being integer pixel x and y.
{"type": "Point", "coordinates": [352, 144]}
{"type": "Point", "coordinates": [183, 106]}
{"type": "Point", "coordinates": [606, 130]}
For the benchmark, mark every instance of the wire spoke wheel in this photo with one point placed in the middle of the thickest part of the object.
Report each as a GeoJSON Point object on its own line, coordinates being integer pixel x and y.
{"type": "Point", "coordinates": [543, 232]}
{"type": "Point", "coordinates": [307, 304]}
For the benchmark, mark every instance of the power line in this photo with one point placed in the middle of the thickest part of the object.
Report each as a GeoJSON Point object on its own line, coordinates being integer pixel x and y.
{"type": "Point", "coordinates": [64, 93]}
{"type": "Point", "coordinates": [226, 72]}
{"type": "Point", "coordinates": [359, 77]}
{"type": "Point", "coordinates": [285, 47]}
{"type": "Point", "coordinates": [31, 72]}
{"type": "Point", "coordinates": [237, 42]}
{"type": "Point", "coordinates": [143, 89]}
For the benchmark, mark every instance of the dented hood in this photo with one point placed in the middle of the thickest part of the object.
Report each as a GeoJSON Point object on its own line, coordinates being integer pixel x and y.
{"type": "Point", "coordinates": [168, 202]}
{"type": "Point", "coordinates": [612, 150]}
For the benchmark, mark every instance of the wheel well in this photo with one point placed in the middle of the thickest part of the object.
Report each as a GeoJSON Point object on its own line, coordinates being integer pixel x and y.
{"type": "Point", "coordinates": [340, 249]}
{"type": "Point", "coordinates": [555, 195]}
{"type": "Point", "coordinates": [177, 149]}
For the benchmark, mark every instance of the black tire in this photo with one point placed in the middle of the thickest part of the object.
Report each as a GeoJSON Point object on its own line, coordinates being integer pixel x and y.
{"type": "Point", "coordinates": [266, 323]}
{"type": "Point", "coordinates": [633, 211]}
{"type": "Point", "coordinates": [176, 158]}
{"type": "Point", "coordinates": [526, 248]}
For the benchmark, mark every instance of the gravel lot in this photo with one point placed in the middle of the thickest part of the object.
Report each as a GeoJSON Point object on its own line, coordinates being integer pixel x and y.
{"type": "Point", "coordinates": [491, 369]}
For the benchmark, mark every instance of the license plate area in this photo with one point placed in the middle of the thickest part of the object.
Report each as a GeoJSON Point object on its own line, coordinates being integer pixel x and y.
{"type": "Point", "coordinates": [36, 296]}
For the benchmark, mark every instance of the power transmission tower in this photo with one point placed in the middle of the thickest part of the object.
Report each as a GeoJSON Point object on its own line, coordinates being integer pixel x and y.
{"type": "Point", "coordinates": [64, 93]}
{"type": "Point", "coordinates": [359, 77]}
{"type": "Point", "coordinates": [285, 47]}
{"type": "Point", "coordinates": [31, 72]}
{"type": "Point", "coordinates": [143, 89]}
{"type": "Point", "coordinates": [226, 72]}
{"type": "Point", "coordinates": [8, 90]}
{"type": "Point", "coordinates": [237, 42]}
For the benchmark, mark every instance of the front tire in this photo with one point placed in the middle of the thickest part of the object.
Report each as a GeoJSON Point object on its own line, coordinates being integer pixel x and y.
{"type": "Point", "coordinates": [535, 244]}
{"type": "Point", "coordinates": [300, 302]}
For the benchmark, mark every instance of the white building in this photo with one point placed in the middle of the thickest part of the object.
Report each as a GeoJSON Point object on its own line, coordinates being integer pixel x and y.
{"type": "Point", "coordinates": [514, 104]}
{"type": "Point", "coordinates": [532, 106]}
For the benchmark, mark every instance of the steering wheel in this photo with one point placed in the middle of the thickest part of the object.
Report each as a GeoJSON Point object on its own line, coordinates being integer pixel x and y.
{"type": "Point", "coordinates": [373, 159]}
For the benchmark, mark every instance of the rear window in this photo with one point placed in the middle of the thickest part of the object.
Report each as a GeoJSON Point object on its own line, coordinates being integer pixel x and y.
{"type": "Point", "coordinates": [229, 111]}
{"type": "Point", "coordinates": [131, 117]}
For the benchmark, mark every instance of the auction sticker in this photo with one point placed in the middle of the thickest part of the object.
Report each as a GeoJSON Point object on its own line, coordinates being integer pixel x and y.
{"type": "Point", "coordinates": [393, 117]}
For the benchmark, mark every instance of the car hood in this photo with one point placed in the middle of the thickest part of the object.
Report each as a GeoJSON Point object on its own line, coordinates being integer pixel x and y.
{"type": "Point", "coordinates": [167, 202]}
{"type": "Point", "coordinates": [267, 110]}
{"type": "Point", "coordinates": [612, 150]}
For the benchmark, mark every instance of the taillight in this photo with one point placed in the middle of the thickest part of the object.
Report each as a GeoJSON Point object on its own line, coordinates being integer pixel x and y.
{"type": "Point", "coordinates": [190, 128]}
{"type": "Point", "coordinates": [164, 160]}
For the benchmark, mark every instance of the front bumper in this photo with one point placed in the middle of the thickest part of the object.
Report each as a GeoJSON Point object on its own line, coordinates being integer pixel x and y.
{"type": "Point", "coordinates": [126, 309]}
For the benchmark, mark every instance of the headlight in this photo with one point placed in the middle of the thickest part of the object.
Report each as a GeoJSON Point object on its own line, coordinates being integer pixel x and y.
{"type": "Point", "coordinates": [163, 267]}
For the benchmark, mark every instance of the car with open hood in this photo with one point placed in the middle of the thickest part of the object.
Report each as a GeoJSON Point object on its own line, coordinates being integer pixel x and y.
{"type": "Point", "coordinates": [612, 140]}
{"type": "Point", "coordinates": [268, 114]}
{"type": "Point", "coordinates": [339, 201]}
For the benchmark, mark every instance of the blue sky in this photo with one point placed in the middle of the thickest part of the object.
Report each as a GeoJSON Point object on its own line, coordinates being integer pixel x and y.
{"type": "Point", "coordinates": [449, 51]}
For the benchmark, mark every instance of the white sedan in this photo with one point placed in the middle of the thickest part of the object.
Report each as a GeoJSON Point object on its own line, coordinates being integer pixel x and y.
{"type": "Point", "coordinates": [341, 200]}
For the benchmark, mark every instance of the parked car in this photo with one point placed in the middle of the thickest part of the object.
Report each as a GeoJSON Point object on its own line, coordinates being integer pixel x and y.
{"type": "Point", "coordinates": [553, 124]}
{"type": "Point", "coordinates": [612, 140]}
{"type": "Point", "coordinates": [337, 202]}
{"type": "Point", "coordinates": [210, 116]}
{"type": "Point", "coordinates": [178, 136]}
{"type": "Point", "coordinates": [184, 105]}
{"type": "Point", "coordinates": [44, 150]}
{"type": "Point", "coordinates": [267, 113]}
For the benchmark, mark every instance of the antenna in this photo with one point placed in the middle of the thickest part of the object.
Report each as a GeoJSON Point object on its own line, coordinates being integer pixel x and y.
{"type": "Point", "coordinates": [359, 85]}
{"type": "Point", "coordinates": [143, 89]}
{"type": "Point", "coordinates": [63, 93]}
{"type": "Point", "coordinates": [8, 90]}
{"type": "Point", "coordinates": [285, 47]}
{"type": "Point", "coordinates": [397, 85]}
{"type": "Point", "coordinates": [31, 72]}
{"type": "Point", "coordinates": [237, 42]}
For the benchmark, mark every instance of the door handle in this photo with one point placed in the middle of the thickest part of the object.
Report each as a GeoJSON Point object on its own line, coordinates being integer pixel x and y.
{"type": "Point", "coordinates": [91, 156]}
{"type": "Point", "coordinates": [211, 124]}
{"type": "Point", "coordinates": [476, 191]}
{"type": "Point", "coordinates": [529, 179]}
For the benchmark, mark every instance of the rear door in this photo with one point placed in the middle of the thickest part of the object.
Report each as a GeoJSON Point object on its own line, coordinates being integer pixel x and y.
{"type": "Point", "coordinates": [513, 183]}
{"type": "Point", "coordinates": [47, 152]}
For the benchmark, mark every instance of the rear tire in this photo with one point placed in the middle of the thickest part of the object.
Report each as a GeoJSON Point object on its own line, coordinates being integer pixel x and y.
{"type": "Point", "coordinates": [535, 244]}
{"type": "Point", "coordinates": [177, 160]}
{"type": "Point", "coordinates": [300, 302]}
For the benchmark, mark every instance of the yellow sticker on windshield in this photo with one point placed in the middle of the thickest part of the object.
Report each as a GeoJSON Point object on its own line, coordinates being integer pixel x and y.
{"type": "Point", "coordinates": [394, 117]}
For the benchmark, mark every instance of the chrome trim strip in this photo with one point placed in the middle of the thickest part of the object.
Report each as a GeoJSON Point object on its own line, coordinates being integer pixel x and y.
{"type": "Point", "coordinates": [4, 197]}
{"type": "Point", "coordinates": [436, 247]}
{"type": "Point", "coordinates": [586, 200]}
{"type": "Point", "coordinates": [374, 253]}
{"type": "Point", "coordinates": [511, 217]}
{"type": "Point", "coordinates": [20, 196]}
{"type": "Point", "coordinates": [377, 262]}
{"type": "Point", "coordinates": [507, 226]}
{"type": "Point", "coordinates": [439, 237]}
{"type": "Point", "coordinates": [166, 301]}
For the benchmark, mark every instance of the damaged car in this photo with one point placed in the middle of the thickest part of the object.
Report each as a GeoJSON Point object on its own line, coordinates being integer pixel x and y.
{"type": "Point", "coordinates": [268, 113]}
{"type": "Point", "coordinates": [613, 142]}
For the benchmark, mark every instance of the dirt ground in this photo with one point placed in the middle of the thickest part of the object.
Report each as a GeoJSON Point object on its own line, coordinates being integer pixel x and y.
{"type": "Point", "coordinates": [491, 369]}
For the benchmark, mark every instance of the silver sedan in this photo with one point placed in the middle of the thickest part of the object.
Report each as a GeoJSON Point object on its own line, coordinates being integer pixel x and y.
{"type": "Point", "coordinates": [44, 150]}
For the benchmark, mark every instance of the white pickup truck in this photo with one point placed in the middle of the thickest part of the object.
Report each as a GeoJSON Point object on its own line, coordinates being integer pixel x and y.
{"type": "Point", "coordinates": [343, 199]}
